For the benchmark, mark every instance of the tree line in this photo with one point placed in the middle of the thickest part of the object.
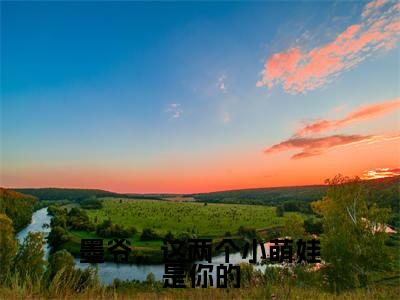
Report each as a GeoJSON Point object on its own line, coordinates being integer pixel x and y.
{"type": "Point", "coordinates": [17, 206]}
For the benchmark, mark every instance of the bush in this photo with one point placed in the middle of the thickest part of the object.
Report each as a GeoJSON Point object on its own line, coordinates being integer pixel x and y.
{"type": "Point", "coordinates": [150, 279]}
{"type": "Point", "coordinates": [247, 232]}
{"type": "Point", "coordinates": [313, 226]}
{"type": "Point", "coordinates": [109, 230]}
{"type": "Point", "coordinates": [57, 236]}
{"type": "Point", "coordinates": [91, 203]}
{"type": "Point", "coordinates": [169, 237]}
{"type": "Point", "coordinates": [59, 220]}
{"type": "Point", "coordinates": [79, 220]}
{"type": "Point", "coordinates": [149, 234]}
{"type": "Point", "coordinates": [280, 210]}
{"type": "Point", "coordinates": [58, 261]}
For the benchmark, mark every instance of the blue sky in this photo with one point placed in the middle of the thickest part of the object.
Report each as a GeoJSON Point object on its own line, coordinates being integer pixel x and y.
{"type": "Point", "coordinates": [139, 87]}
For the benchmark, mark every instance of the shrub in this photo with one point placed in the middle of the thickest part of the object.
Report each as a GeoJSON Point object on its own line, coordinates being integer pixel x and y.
{"type": "Point", "coordinates": [280, 210]}
{"type": "Point", "coordinates": [91, 203]}
{"type": "Point", "coordinates": [79, 220]}
{"type": "Point", "coordinates": [247, 232]}
{"type": "Point", "coordinates": [109, 230]}
{"type": "Point", "coordinates": [313, 226]}
{"type": "Point", "coordinates": [57, 236]}
{"type": "Point", "coordinates": [169, 237]}
{"type": "Point", "coordinates": [149, 234]}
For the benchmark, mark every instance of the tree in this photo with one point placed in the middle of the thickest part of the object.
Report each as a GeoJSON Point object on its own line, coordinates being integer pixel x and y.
{"type": "Point", "coordinates": [59, 220]}
{"type": "Point", "coordinates": [8, 246]}
{"type": "Point", "coordinates": [148, 234]}
{"type": "Point", "coordinates": [109, 230]}
{"type": "Point", "coordinates": [151, 279]}
{"type": "Point", "coordinates": [18, 207]}
{"type": "Point", "coordinates": [78, 219]}
{"type": "Point", "coordinates": [29, 262]}
{"type": "Point", "coordinates": [294, 227]}
{"type": "Point", "coordinates": [313, 225]}
{"type": "Point", "coordinates": [60, 261]}
{"type": "Point", "coordinates": [63, 277]}
{"type": "Point", "coordinates": [352, 243]}
{"type": "Point", "coordinates": [91, 203]}
{"type": "Point", "coordinates": [280, 211]}
{"type": "Point", "coordinates": [169, 237]}
{"type": "Point", "coordinates": [57, 236]}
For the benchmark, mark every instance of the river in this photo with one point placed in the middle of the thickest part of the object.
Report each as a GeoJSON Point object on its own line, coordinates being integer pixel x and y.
{"type": "Point", "coordinates": [108, 271]}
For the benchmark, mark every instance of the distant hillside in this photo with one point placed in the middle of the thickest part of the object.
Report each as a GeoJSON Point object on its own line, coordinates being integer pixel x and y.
{"type": "Point", "coordinates": [296, 198]}
{"type": "Point", "coordinates": [67, 194]}
{"type": "Point", "coordinates": [384, 182]}
{"type": "Point", "coordinates": [266, 196]}
{"type": "Point", "coordinates": [17, 206]}
{"type": "Point", "coordinates": [76, 195]}
{"type": "Point", "coordinates": [385, 192]}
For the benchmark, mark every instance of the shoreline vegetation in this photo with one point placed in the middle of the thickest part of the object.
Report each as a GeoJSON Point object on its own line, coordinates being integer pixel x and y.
{"type": "Point", "coordinates": [361, 262]}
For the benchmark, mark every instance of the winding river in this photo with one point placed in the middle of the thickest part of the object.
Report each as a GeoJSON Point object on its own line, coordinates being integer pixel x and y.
{"type": "Point", "coordinates": [108, 271]}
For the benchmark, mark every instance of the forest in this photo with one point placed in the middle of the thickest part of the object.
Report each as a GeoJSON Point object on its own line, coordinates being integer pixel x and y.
{"type": "Point", "coordinates": [78, 195]}
{"type": "Point", "coordinates": [17, 206]}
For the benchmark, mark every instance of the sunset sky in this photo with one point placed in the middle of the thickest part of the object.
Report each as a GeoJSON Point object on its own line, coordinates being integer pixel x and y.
{"type": "Point", "coordinates": [184, 97]}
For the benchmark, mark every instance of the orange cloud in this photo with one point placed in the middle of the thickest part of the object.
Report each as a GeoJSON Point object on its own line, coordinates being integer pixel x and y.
{"type": "Point", "coordinates": [360, 114]}
{"type": "Point", "coordinates": [380, 173]}
{"type": "Point", "coordinates": [312, 146]}
{"type": "Point", "coordinates": [299, 71]}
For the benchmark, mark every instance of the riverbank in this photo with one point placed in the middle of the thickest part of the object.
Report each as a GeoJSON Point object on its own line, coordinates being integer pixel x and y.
{"type": "Point", "coordinates": [108, 271]}
{"type": "Point", "coordinates": [165, 220]}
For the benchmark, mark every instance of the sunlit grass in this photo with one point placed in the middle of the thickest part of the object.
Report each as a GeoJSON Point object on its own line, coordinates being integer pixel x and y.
{"type": "Point", "coordinates": [210, 220]}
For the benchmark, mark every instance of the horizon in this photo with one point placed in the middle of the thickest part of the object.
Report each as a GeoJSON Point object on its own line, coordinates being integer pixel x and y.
{"type": "Point", "coordinates": [216, 191]}
{"type": "Point", "coordinates": [184, 98]}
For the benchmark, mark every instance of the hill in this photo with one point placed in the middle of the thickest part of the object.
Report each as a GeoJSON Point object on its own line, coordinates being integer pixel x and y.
{"type": "Point", "coordinates": [270, 196]}
{"type": "Point", "coordinates": [17, 206]}
{"type": "Point", "coordinates": [76, 195]}
{"type": "Point", "coordinates": [384, 191]}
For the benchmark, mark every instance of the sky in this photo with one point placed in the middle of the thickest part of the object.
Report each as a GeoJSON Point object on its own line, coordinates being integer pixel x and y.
{"type": "Point", "coordinates": [187, 97]}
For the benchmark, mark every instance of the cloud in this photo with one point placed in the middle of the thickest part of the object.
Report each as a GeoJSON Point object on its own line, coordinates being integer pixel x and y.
{"type": "Point", "coordinates": [221, 83]}
{"type": "Point", "coordinates": [371, 7]}
{"type": "Point", "coordinates": [380, 173]}
{"type": "Point", "coordinates": [300, 71]}
{"type": "Point", "coordinates": [360, 114]}
{"type": "Point", "coordinates": [311, 146]}
{"type": "Point", "coordinates": [339, 108]}
{"type": "Point", "coordinates": [175, 110]}
{"type": "Point", "coordinates": [226, 117]}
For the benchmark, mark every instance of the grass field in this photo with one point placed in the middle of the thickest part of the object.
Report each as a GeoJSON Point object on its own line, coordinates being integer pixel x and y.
{"type": "Point", "coordinates": [210, 220]}
{"type": "Point", "coordinates": [205, 221]}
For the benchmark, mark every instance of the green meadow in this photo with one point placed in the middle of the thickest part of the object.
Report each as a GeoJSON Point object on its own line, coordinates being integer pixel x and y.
{"type": "Point", "coordinates": [204, 220]}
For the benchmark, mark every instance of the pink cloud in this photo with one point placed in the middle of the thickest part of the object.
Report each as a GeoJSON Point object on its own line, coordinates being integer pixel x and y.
{"type": "Point", "coordinates": [299, 71]}
{"type": "Point", "coordinates": [372, 6]}
{"type": "Point", "coordinates": [311, 146]}
{"type": "Point", "coordinates": [360, 114]}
